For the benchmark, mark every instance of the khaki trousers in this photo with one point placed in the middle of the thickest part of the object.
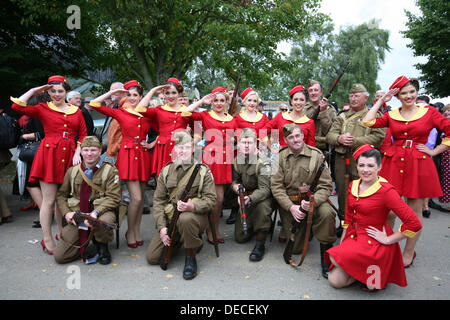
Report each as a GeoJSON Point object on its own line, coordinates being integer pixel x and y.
{"type": "Point", "coordinates": [65, 252]}
{"type": "Point", "coordinates": [323, 226]}
{"type": "Point", "coordinates": [189, 226]}
{"type": "Point", "coordinates": [258, 219]}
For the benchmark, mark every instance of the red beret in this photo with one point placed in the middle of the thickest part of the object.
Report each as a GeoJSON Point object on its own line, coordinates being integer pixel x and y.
{"type": "Point", "coordinates": [362, 149]}
{"type": "Point", "coordinates": [131, 83]}
{"type": "Point", "coordinates": [399, 82]}
{"type": "Point", "coordinates": [246, 92]}
{"type": "Point", "coordinates": [56, 78]}
{"type": "Point", "coordinates": [219, 89]}
{"type": "Point", "coordinates": [296, 89]}
{"type": "Point", "coordinates": [174, 80]}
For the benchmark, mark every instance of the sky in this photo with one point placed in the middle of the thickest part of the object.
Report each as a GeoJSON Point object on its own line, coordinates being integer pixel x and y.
{"type": "Point", "coordinates": [390, 16]}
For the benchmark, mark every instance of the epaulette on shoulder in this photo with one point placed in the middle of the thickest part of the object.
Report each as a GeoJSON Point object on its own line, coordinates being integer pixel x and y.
{"type": "Point", "coordinates": [284, 148]}
{"type": "Point", "coordinates": [315, 149]}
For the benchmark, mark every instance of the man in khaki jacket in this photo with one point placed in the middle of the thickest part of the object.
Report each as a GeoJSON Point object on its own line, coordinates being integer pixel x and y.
{"type": "Point", "coordinates": [325, 116]}
{"type": "Point", "coordinates": [253, 173]}
{"type": "Point", "coordinates": [298, 165]}
{"type": "Point", "coordinates": [347, 134]}
{"type": "Point", "coordinates": [93, 189]}
{"type": "Point", "coordinates": [193, 219]}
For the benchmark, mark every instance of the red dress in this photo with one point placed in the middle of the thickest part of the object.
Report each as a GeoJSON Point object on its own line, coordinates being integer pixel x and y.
{"type": "Point", "coordinates": [218, 154]}
{"type": "Point", "coordinates": [167, 121]}
{"type": "Point", "coordinates": [54, 155]}
{"type": "Point", "coordinates": [410, 171]}
{"type": "Point", "coordinates": [260, 121]}
{"type": "Point", "coordinates": [363, 257]}
{"type": "Point", "coordinates": [305, 123]}
{"type": "Point", "coordinates": [133, 160]}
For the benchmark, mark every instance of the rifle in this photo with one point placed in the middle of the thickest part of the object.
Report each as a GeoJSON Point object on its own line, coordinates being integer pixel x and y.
{"type": "Point", "coordinates": [167, 251]}
{"type": "Point", "coordinates": [242, 205]}
{"type": "Point", "coordinates": [79, 217]}
{"type": "Point", "coordinates": [328, 94]}
{"type": "Point", "coordinates": [235, 91]}
{"type": "Point", "coordinates": [308, 196]}
{"type": "Point", "coordinates": [347, 175]}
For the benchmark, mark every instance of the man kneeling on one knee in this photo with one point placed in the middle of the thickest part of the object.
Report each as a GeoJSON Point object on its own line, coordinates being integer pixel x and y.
{"type": "Point", "coordinates": [193, 218]}
{"type": "Point", "coordinates": [93, 189]}
{"type": "Point", "coordinates": [253, 173]}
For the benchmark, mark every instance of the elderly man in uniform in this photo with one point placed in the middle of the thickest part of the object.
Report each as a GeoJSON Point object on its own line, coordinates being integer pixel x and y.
{"type": "Point", "coordinates": [193, 219]}
{"type": "Point", "coordinates": [92, 188]}
{"type": "Point", "coordinates": [298, 166]}
{"type": "Point", "coordinates": [326, 114]}
{"type": "Point", "coordinates": [347, 134]}
{"type": "Point", "coordinates": [253, 173]}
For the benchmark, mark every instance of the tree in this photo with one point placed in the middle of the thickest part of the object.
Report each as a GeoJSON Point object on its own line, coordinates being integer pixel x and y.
{"type": "Point", "coordinates": [322, 55]}
{"type": "Point", "coordinates": [157, 39]}
{"type": "Point", "coordinates": [430, 36]}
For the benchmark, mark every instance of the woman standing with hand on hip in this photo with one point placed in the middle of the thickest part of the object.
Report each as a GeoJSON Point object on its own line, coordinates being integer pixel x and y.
{"type": "Point", "coordinates": [133, 160]}
{"type": "Point", "coordinates": [58, 151]}
{"type": "Point", "coordinates": [407, 163]}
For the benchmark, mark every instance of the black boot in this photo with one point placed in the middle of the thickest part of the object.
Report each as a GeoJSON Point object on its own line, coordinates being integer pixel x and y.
{"type": "Point", "coordinates": [325, 267]}
{"type": "Point", "coordinates": [258, 251]}
{"type": "Point", "coordinates": [232, 218]}
{"type": "Point", "coordinates": [104, 257]}
{"type": "Point", "coordinates": [190, 265]}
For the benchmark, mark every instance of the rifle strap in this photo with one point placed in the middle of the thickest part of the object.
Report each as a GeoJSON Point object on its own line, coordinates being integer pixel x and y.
{"type": "Point", "coordinates": [181, 184]}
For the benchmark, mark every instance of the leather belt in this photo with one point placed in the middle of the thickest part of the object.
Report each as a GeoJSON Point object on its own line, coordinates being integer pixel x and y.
{"type": "Point", "coordinates": [405, 143]}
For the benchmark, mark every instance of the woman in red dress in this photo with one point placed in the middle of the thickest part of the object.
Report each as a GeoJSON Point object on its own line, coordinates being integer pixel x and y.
{"type": "Point", "coordinates": [407, 163]}
{"type": "Point", "coordinates": [58, 151]}
{"type": "Point", "coordinates": [250, 117]}
{"type": "Point", "coordinates": [133, 160]}
{"type": "Point", "coordinates": [167, 119]}
{"type": "Point", "coordinates": [218, 154]}
{"type": "Point", "coordinates": [298, 97]}
{"type": "Point", "coordinates": [369, 251]}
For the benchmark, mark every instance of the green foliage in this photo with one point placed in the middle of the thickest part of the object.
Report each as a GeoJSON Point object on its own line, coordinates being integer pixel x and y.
{"type": "Point", "coordinates": [430, 35]}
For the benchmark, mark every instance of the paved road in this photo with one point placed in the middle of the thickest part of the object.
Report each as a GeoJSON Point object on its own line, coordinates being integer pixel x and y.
{"type": "Point", "coordinates": [28, 273]}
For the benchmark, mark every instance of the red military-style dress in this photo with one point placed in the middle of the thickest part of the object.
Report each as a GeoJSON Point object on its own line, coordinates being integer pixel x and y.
{"type": "Point", "coordinates": [258, 124]}
{"type": "Point", "coordinates": [133, 160]}
{"type": "Point", "coordinates": [167, 121]}
{"type": "Point", "coordinates": [305, 123]}
{"type": "Point", "coordinates": [361, 256]}
{"type": "Point", "coordinates": [54, 155]}
{"type": "Point", "coordinates": [218, 154]}
{"type": "Point", "coordinates": [410, 171]}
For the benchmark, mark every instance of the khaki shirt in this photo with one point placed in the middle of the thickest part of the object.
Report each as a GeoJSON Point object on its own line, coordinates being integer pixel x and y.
{"type": "Point", "coordinates": [258, 183]}
{"type": "Point", "coordinates": [350, 122]}
{"type": "Point", "coordinates": [68, 199]}
{"type": "Point", "coordinates": [204, 201]}
{"type": "Point", "coordinates": [323, 122]}
{"type": "Point", "coordinates": [297, 170]}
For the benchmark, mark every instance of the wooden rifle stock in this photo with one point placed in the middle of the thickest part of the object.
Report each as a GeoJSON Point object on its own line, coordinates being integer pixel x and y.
{"type": "Point", "coordinates": [79, 217]}
{"type": "Point", "coordinates": [171, 230]}
{"type": "Point", "coordinates": [330, 91]}
{"type": "Point", "coordinates": [242, 205]}
{"type": "Point", "coordinates": [234, 99]}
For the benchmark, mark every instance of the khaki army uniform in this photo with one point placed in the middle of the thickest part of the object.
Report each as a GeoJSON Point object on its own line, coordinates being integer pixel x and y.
{"type": "Point", "coordinates": [190, 224]}
{"type": "Point", "coordinates": [255, 177]}
{"type": "Point", "coordinates": [68, 200]}
{"type": "Point", "coordinates": [323, 123]}
{"type": "Point", "coordinates": [299, 170]}
{"type": "Point", "coordinates": [350, 122]}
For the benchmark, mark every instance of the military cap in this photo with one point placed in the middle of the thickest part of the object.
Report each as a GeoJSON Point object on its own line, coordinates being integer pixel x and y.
{"type": "Point", "coordinates": [91, 141]}
{"type": "Point", "coordinates": [358, 87]}
{"type": "Point", "coordinates": [247, 133]}
{"type": "Point", "coordinates": [289, 128]}
{"type": "Point", "coordinates": [181, 137]}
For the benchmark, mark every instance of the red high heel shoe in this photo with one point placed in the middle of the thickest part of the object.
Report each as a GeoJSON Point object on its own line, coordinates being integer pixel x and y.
{"type": "Point", "coordinates": [44, 248]}
{"type": "Point", "coordinates": [29, 207]}
{"type": "Point", "coordinates": [409, 265]}
{"type": "Point", "coordinates": [131, 245]}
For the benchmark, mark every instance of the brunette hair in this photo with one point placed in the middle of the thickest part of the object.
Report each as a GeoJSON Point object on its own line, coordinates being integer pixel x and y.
{"type": "Point", "coordinates": [305, 92]}
{"type": "Point", "coordinates": [374, 153]}
{"type": "Point", "coordinates": [177, 86]}
{"type": "Point", "coordinates": [139, 89]}
{"type": "Point", "coordinates": [65, 85]}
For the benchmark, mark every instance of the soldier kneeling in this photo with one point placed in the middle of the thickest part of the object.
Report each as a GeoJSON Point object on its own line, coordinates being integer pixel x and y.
{"type": "Point", "coordinates": [93, 189]}
{"type": "Point", "coordinates": [193, 218]}
{"type": "Point", "coordinates": [252, 173]}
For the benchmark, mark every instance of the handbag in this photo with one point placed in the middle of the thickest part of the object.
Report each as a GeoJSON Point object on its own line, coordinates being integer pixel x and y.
{"type": "Point", "coordinates": [28, 151]}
